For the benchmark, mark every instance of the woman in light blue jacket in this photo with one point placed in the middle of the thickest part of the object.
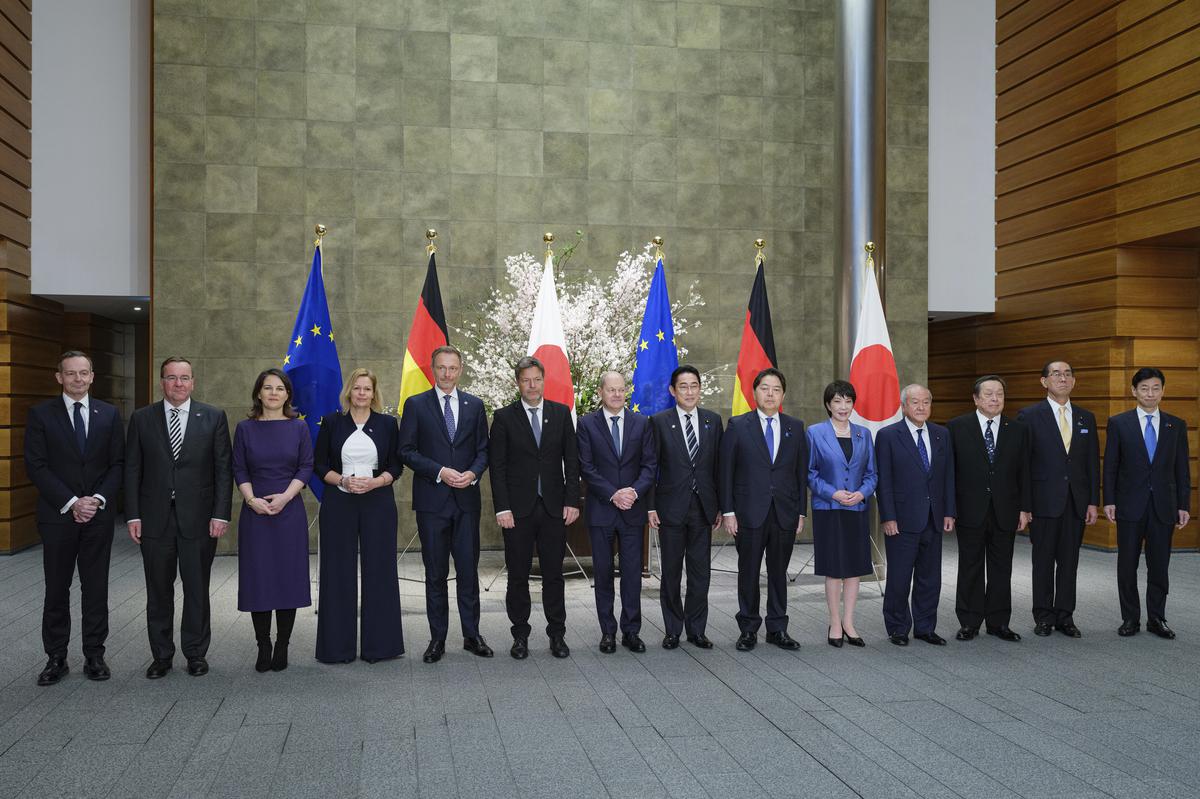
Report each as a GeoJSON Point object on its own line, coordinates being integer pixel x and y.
{"type": "Point", "coordinates": [841, 476]}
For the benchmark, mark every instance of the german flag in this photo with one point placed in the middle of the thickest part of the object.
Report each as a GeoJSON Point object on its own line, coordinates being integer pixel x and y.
{"type": "Point", "coordinates": [428, 332]}
{"type": "Point", "coordinates": [758, 344]}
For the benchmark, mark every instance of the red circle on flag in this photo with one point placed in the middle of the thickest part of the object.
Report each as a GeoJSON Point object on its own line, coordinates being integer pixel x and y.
{"type": "Point", "coordinates": [877, 383]}
{"type": "Point", "coordinates": [558, 386]}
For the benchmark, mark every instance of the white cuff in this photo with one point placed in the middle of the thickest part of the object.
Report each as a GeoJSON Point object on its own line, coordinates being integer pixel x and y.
{"type": "Point", "coordinates": [103, 501]}
{"type": "Point", "coordinates": [67, 507]}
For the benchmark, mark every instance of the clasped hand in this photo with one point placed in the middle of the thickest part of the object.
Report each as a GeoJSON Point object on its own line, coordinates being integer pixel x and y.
{"type": "Point", "coordinates": [624, 498]}
{"type": "Point", "coordinates": [268, 505]}
{"type": "Point", "coordinates": [847, 498]}
{"type": "Point", "coordinates": [455, 478]}
{"type": "Point", "coordinates": [84, 509]}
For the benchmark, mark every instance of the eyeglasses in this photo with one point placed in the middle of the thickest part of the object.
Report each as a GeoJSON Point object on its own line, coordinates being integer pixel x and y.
{"type": "Point", "coordinates": [1058, 375]}
{"type": "Point", "coordinates": [178, 378]}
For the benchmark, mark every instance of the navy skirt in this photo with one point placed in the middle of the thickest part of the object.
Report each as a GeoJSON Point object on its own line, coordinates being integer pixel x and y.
{"type": "Point", "coordinates": [841, 543]}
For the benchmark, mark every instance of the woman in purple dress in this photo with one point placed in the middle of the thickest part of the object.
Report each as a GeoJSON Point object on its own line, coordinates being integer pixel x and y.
{"type": "Point", "coordinates": [272, 461]}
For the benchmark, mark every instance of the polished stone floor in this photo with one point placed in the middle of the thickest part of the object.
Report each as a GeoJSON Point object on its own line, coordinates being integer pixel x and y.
{"type": "Point", "coordinates": [1047, 717]}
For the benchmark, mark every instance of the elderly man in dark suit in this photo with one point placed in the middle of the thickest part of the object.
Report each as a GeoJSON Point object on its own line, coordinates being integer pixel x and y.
{"type": "Point", "coordinates": [684, 505]}
{"type": "Point", "coordinates": [444, 440]}
{"type": "Point", "coordinates": [1147, 492]}
{"type": "Point", "coordinates": [1065, 479]}
{"type": "Point", "coordinates": [534, 458]}
{"type": "Point", "coordinates": [993, 500]}
{"type": "Point", "coordinates": [618, 460]}
{"type": "Point", "coordinates": [916, 505]}
{"type": "Point", "coordinates": [74, 448]}
{"type": "Point", "coordinates": [178, 494]}
{"type": "Point", "coordinates": [764, 495]}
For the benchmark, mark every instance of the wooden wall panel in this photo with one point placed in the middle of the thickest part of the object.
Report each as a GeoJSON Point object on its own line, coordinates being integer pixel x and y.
{"type": "Point", "coordinates": [1098, 157]}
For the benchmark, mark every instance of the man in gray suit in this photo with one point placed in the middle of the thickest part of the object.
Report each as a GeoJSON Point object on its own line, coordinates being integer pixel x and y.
{"type": "Point", "coordinates": [178, 490]}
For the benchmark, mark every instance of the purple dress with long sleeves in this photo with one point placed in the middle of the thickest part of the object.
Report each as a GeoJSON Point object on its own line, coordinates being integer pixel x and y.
{"type": "Point", "coordinates": [272, 550]}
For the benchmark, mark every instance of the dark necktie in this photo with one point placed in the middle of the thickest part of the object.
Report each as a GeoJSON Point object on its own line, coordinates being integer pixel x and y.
{"type": "Point", "coordinates": [176, 433]}
{"type": "Point", "coordinates": [80, 430]}
{"type": "Point", "coordinates": [989, 441]}
{"type": "Point", "coordinates": [537, 438]}
{"type": "Point", "coordinates": [616, 434]}
{"type": "Point", "coordinates": [770, 436]}
{"type": "Point", "coordinates": [921, 450]}
{"type": "Point", "coordinates": [690, 432]}
{"type": "Point", "coordinates": [1151, 437]}
{"type": "Point", "coordinates": [449, 418]}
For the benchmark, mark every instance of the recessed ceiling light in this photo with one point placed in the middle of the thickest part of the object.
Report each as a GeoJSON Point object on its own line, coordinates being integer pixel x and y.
{"type": "Point", "coordinates": [137, 307]}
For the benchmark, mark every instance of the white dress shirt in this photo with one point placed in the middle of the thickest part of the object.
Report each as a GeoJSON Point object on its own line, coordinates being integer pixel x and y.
{"type": "Point", "coordinates": [360, 456]}
{"type": "Point", "coordinates": [441, 398]}
{"type": "Point", "coordinates": [1057, 409]}
{"type": "Point", "coordinates": [695, 414]}
{"type": "Point", "coordinates": [912, 431]}
{"type": "Point", "coordinates": [1142, 415]}
{"type": "Point", "coordinates": [983, 420]}
{"type": "Point", "coordinates": [762, 422]}
{"type": "Point", "coordinates": [184, 410]}
{"type": "Point", "coordinates": [620, 417]}
{"type": "Point", "coordinates": [85, 411]}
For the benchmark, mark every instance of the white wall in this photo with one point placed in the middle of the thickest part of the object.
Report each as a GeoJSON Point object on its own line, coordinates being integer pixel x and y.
{"type": "Point", "coordinates": [962, 157]}
{"type": "Point", "coordinates": [91, 148]}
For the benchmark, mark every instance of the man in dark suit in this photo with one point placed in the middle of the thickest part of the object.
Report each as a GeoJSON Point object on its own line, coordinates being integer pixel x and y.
{"type": "Point", "coordinates": [444, 440]}
{"type": "Point", "coordinates": [74, 448]}
{"type": "Point", "coordinates": [617, 458]}
{"type": "Point", "coordinates": [1065, 478]}
{"type": "Point", "coordinates": [992, 497]}
{"type": "Point", "coordinates": [178, 488]}
{"type": "Point", "coordinates": [684, 505]}
{"type": "Point", "coordinates": [764, 494]}
{"type": "Point", "coordinates": [1147, 492]}
{"type": "Point", "coordinates": [916, 505]}
{"type": "Point", "coordinates": [534, 458]}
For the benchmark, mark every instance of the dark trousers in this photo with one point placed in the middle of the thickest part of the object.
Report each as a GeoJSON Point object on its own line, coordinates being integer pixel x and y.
{"type": "Point", "coordinates": [984, 598]}
{"type": "Point", "coordinates": [65, 547]}
{"type": "Point", "coordinates": [776, 544]}
{"type": "Point", "coordinates": [1056, 541]}
{"type": "Point", "coordinates": [191, 558]}
{"type": "Point", "coordinates": [547, 533]}
{"type": "Point", "coordinates": [442, 535]}
{"type": "Point", "coordinates": [914, 562]}
{"type": "Point", "coordinates": [690, 543]}
{"type": "Point", "coordinates": [354, 527]}
{"type": "Point", "coordinates": [1157, 538]}
{"type": "Point", "coordinates": [629, 544]}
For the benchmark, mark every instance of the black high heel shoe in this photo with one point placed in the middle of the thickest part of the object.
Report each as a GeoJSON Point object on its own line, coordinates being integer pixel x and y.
{"type": "Point", "coordinates": [836, 642]}
{"type": "Point", "coordinates": [853, 641]}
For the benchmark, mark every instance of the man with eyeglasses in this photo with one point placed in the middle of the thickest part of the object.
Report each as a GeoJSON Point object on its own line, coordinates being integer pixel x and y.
{"type": "Point", "coordinates": [1065, 480]}
{"type": "Point", "coordinates": [178, 491]}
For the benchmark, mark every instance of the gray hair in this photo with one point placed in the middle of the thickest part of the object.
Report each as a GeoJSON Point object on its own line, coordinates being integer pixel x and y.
{"type": "Point", "coordinates": [610, 373]}
{"type": "Point", "coordinates": [910, 388]}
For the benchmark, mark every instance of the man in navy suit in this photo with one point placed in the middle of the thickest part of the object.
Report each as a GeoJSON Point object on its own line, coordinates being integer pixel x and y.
{"type": "Point", "coordinates": [684, 505]}
{"type": "Point", "coordinates": [1065, 471]}
{"type": "Point", "coordinates": [444, 440]}
{"type": "Point", "coordinates": [74, 451]}
{"type": "Point", "coordinates": [764, 494]}
{"type": "Point", "coordinates": [916, 505]}
{"type": "Point", "coordinates": [1147, 492]}
{"type": "Point", "coordinates": [618, 460]}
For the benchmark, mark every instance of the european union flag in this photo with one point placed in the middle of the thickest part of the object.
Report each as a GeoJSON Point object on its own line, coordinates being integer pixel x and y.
{"type": "Point", "coordinates": [656, 355]}
{"type": "Point", "coordinates": [312, 360]}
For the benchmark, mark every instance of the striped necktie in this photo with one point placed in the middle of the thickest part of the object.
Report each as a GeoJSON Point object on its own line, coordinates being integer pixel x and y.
{"type": "Point", "coordinates": [176, 433]}
{"type": "Point", "coordinates": [692, 442]}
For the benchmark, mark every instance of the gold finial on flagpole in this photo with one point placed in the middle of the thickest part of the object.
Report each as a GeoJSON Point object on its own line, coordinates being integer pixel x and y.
{"type": "Point", "coordinates": [548, 237]}
{"type": "Point", "coordinates": [758, 247]}
{"type": "Point", "coordinates": [657, 241]}
{"type": "Point", "coordinates": [430, 235]}
{"type": "Point", "coordinates": [320, 230]}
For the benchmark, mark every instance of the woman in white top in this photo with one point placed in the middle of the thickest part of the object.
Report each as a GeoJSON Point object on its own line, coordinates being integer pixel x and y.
{"type": "Point", "coordinates": [357, 456]}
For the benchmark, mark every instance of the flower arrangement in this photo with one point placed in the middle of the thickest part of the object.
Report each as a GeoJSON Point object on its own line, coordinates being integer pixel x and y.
{"type": "Point", "coordinates": [601, 317]}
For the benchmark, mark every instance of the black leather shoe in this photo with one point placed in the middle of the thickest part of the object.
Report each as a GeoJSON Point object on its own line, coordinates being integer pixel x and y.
{"type": "Point", "coordinates": [96, 669]}
{"type": "Point", "coordinates": [56, 669]}
{"type": "Point", "coordinates": [158, 669]}
{"type": "Point", "coordinates": [633, 642]}
{"type": "Point", "coordinates": [197, 667]}
{"type": "Point", "coordinates": [1003, 633]}
{"type": "Point", "coordinates": [279, 660]}
{"type": "Point", "coordinates": [264, 656]}
{"type": "Point", "coordinates": [700, 641]}
{"type": "Point", "coordinates": [670, 642]}
{"type": "Point", "coordinates": [1129, 628]}
{"type": "Point", "coordinates": [899, 639]}
{"type": "Point", "coordinates": [1069, 630]}
{"type": "Point", "coordinates": [853, 641]}
{"type": "Point", "coordinates": [834, 642]}
{"type": "Point", "coordinates": [1160, 629]}
{"type": "Point", "coordinates": [966, 633]}
{"type": "Point", "coordinates": [520, 648]}
{"type": "Point", "coordinates": [782, 640]}
{"type": "Point", "coordinates": [558, 647]}
{"type": "Point", "coordinates": [608, 643]}
{"type": "Point", "coordinates": [477, 646]}
{"type": "Point", "coordinates": [1042, 628]}
{"type": "Point", "coordinates": [746, 642]}
{"type": "Point", "coordinates": [434, 652]}
{"type": "Point", "coordinates": [930, 638]}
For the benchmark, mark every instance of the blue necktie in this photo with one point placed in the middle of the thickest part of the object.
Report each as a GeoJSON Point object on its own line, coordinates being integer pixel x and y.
{"type": "Point", "coordinates": [449, 414]}
{"type": "Point", "coordinates": [924, 453]}
{"type": "Point", "coordinates": [770, 439]}
{"type": "Point", "coordinates": [989, 441]}
{"type": "Point", "coordinates": [1151, 437]}
{"type": "Point", "coordinates": [616, 435]}
{"type": "Point", "coordinates": [80, 430]}
{"type": "Point", "coordinates": [537, 426]}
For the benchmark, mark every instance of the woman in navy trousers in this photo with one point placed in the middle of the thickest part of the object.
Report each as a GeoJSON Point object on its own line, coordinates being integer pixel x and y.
{"type": "Point", "coordinates": [358, 458]}
{"type": "Point", "coordinates": [841, 476]}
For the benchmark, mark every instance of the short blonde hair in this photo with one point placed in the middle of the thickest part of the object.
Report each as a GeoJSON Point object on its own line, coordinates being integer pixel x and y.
{"type": "Point", "coordinates": [351, 379]}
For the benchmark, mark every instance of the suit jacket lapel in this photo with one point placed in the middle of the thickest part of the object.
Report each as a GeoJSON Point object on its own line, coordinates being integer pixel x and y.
{"type": "Point", "coordinates": [64, 421]}
{"type": "Point", "coordinates": [190, 433]}
{"type": "Point", "coordinates": [681, 438]}
{"type": "Point", "coordinates": [759, 435]}
{"type": "Point", "coordinates": [910, 445]}
{"type": "Point", "coordinates": [161, 427]}
{"type": "Point", "coordinates": [440, 413]}
{"type": "Point", "coordinates": [93, 428]}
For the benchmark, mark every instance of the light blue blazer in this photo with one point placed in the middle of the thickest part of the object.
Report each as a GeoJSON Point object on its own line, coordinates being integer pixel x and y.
{"type": "Point", "coordinates": [828, 471]}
